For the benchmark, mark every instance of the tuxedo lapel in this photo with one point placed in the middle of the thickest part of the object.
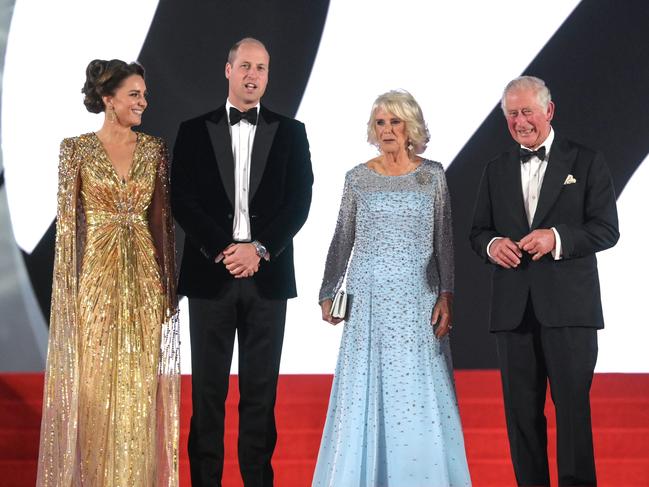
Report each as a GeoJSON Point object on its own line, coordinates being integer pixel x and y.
{"type": "Point", "coordinates": [513, 190]}
{"type": "Point", "coordinates": [264, 136]}
{"type": "Point", "coordinates": [217, 127]}
{"type": "Point", "coordinates": [559, 164]}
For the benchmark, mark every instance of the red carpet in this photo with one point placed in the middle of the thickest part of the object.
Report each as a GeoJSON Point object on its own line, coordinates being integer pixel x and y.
{"type": "Point", "coordinates": [620, 405]}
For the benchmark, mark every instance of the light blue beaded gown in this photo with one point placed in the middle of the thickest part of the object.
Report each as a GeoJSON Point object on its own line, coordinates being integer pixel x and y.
{"type": "Point", "coordinates": [393, 419]}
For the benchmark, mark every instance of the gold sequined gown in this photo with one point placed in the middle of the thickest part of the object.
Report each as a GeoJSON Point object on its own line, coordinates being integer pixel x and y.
{"type": "Point", "coordinates": [118, 431]}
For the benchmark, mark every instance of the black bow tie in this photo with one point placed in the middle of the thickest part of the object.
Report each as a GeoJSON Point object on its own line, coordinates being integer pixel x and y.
{"type": "Point", "coordinates": [526, 154]}
{"type": "Point", "coordinates": [236, 116]}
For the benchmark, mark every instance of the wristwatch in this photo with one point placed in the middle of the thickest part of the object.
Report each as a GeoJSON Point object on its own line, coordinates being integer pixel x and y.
{"type": "Point", "coordinates": [260, 249]}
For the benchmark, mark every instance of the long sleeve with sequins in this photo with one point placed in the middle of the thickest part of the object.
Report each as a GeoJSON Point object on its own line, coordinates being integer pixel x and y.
{"type": "Point", "coordinates": [443, 233]}
{"type": "Point", "coordinates": [341, 244]}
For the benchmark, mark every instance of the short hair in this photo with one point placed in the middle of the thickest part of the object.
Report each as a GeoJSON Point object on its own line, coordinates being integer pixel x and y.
{"type": "Point", "coordinates": [103, 78]}
{"type": "Point", "coordinates": [403, 105]}
{"type": "Point", "coordinates": [542, 92]}
{"type": "Point", "coordinates": [246, 40]}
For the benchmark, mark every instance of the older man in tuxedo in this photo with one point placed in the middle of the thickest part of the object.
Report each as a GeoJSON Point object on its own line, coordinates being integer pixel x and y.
{"type": "Point", "coordinates": [241, 190]}
{"type": "Point", "coordinates": [544, 208]}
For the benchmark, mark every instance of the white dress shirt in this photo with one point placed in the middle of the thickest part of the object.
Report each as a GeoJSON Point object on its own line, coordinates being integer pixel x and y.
{"type": "Point", "coordinates": [243, 136]}
{"type": "Point", "coordinates": [532, 174]}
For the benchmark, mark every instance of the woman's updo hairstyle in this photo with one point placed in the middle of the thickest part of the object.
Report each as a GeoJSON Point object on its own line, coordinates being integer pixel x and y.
{"type": "Point", "coordinates": [103, 78]}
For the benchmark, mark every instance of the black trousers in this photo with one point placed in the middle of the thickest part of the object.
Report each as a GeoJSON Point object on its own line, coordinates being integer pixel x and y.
{"type": "Point", "coordinates": [259, 324]}
{"type": "Point", "coordinates": [529, 356]}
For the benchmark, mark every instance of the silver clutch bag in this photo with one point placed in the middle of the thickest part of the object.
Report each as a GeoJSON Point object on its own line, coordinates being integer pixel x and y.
{"type": "Point", "coordinates": [339, 305]}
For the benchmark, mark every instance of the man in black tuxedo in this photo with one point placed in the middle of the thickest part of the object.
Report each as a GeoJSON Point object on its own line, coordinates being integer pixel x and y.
{"type": "Point", "coordinates": [241, 190]}
{"type": "Point", "coordinates": [544, 209]}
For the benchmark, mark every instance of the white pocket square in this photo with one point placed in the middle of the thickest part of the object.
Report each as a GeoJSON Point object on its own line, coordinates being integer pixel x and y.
{"type": "Point", "coordinates": [570, 180]}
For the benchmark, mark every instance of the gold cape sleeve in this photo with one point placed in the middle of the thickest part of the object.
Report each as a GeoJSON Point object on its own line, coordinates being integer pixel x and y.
{"type": "Point", "coordinates": [57, 458]}
{"type": "Point", "coordinates": [168, 395]}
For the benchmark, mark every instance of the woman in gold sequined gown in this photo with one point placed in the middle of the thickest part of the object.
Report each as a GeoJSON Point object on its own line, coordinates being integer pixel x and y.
{"type": "Point", "coordinates": [110, 409]}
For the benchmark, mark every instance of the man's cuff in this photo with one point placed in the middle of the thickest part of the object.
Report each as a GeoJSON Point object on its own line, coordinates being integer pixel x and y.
{"type": "Point", "coordinates": [556, 251]}
{"type": "Point", "coordinates": [220, 256]}
{"type": "Point", "coordinates": [489, 245]}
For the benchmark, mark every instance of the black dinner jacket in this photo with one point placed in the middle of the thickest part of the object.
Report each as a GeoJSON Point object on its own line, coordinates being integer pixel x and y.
{"type": "Point", "coordinates": [564, 292]}
{"type": "Point", "coordinates": [202, 199]}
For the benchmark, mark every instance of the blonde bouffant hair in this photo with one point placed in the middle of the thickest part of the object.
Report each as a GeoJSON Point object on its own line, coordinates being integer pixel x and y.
{"type": "Point", "coordinates": [402, 105]}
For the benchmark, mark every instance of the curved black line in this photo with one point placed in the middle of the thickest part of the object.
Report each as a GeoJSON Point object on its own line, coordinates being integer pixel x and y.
{"type": "Point", "coordinates": [40, 268]}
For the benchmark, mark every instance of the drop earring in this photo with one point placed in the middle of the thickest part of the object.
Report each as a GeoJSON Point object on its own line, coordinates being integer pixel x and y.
{"type": "Point", "coordinates": [111, 115]}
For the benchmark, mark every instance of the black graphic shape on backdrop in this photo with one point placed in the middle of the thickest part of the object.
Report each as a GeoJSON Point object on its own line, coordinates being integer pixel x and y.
{"type": "Point", "coordinates": [186, 50]}
{"type": "Point", "coordinates": [40, 268]}
{"type": "Point", "coordinates": [597, 67]}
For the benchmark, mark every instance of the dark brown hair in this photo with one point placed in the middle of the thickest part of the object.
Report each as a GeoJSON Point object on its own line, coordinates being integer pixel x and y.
{"type": "Point", "coordinates": [103, 78]}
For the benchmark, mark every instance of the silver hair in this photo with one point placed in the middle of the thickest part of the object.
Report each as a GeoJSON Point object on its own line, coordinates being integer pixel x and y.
{"type": "Point", "coordinates": [526, 83]}
{"type": "Point", "coordinates": [403, 105]}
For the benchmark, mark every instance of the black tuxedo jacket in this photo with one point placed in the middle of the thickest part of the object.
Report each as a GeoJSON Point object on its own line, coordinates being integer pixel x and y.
{"type": "Point", "coordinates": [202, 199]}
{"type": "Point", "coordinates": [564, 292]}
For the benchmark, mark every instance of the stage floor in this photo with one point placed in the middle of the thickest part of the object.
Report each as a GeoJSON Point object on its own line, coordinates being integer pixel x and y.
{"type": "Point", "coordinates": [620, 411]}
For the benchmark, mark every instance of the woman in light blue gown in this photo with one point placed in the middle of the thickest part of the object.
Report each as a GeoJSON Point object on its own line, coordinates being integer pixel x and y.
{"type": "Point", "coordinates": [393, 419]}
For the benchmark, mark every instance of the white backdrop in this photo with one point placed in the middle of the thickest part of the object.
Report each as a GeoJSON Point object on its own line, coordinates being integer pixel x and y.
{"type": "Point", "coordinates": [442, 52]}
